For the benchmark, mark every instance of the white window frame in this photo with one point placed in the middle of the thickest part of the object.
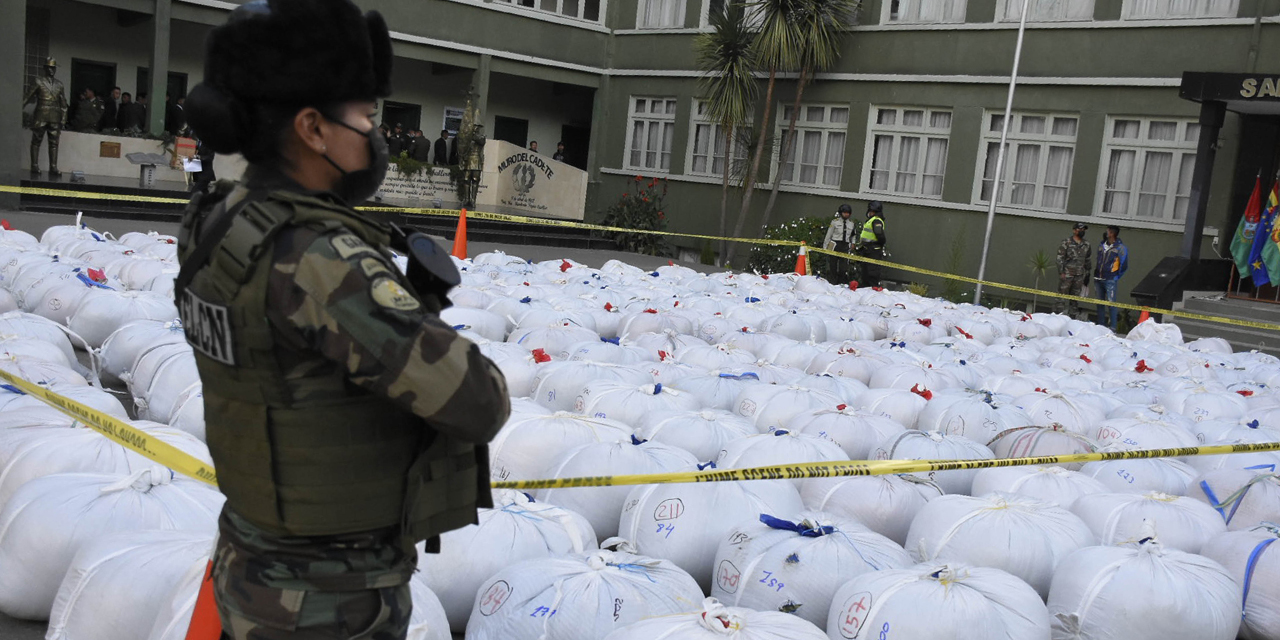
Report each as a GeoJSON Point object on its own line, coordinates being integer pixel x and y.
{"type": "Point", "coordinates": [698, 119]}
{"type": "Point", "coordinates": [954, 13]}
{"type": "Point", "coordinates": [926, 132]}
{"type": "Point", "coordinates": [1183, 147]}
{"type": "Point", "coordinates": [1045, 141]}
{"type": "Point", "coordinates": [1044, 11]}
{"type": "Point", "coordinates": [539, 7]}
{"type": "Point", "coordinates": [1169, 9]}
{"type": "Point", "coordinates": [672, 18]}
{"type": "Point", "coordinates": [704, 22]}
{"type": "Point", "coordinates": [665, 124]}
{"type": "Point", "coordinates": [827, 127]}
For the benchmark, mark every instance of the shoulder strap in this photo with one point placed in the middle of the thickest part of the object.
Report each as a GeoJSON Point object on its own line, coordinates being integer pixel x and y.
{"type": "Point", "coordinates": [210, 239]}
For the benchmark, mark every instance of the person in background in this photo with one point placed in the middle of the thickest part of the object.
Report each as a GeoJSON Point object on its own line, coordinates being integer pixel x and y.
{"type": "Point", "coordinates": [110, 111]}
{"type": "Point", "coordinates": [348, 422]}
{"type": "Point", "coordinates": [558, 156]}
{"type": "Point", "coordinates": [130, 117]}
{"type": "Point", "coordinates": [88, 112]}
{"type": "Point", "coordinates": [175, 117]}
{"type": "Point", "coordinates": [1113, 261]}
{"type": "Point", "coordinates": [871, 243]}
{"type": "Point", "coordinates": [145, 111]}
{"type": "Point", "coordinates": [533, 146]}
{"type": "Point", "coordinates": [840, 239]}
{"type": "Point", "coordinates": [420, 149]}
{"type": "Point", "coordinates": [1073, 269]}
{"type": "Point", "coordinates": [440, 152]}
{"type": "Point", "coordinates": [397, 143]}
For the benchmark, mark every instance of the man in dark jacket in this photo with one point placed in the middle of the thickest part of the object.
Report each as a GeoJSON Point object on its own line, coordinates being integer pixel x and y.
{"type": "Point", "coordinates": [110, 111]}
{"type": "Point", "coordinates": [441, 154]}
{"type": "Point", "coordinates": [130, 117]}
{"type": "Point", "coordinates": [420, 148]}
{"type": "Point", "coordinates": [1113, 261]}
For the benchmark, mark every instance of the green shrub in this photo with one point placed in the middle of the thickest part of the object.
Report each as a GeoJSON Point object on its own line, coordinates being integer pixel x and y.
{"type": "Point", "coordinates": [771, 259]}
{"type": "Point", "coordinates": [641, 210]}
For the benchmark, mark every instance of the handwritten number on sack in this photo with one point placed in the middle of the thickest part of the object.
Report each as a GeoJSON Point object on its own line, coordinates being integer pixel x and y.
{"type": "Point", "coordinates": [769, 581]}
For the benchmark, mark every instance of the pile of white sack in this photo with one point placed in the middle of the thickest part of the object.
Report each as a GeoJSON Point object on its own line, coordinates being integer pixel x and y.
{"type": "Point", "coordinates": [619, 370]}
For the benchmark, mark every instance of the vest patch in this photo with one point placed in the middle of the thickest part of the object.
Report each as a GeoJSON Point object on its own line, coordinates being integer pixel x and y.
{"type": "Point", "coordinates": [208, 328]}
{"type": "Point", "coordinates": [348, 245]}
{"type": "Point", "coordinates": [373, 267]}
{"type": "Point", "coordinates": [388, 294]}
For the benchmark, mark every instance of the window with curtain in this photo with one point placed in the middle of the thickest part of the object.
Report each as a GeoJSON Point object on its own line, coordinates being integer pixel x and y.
{"type": "Point", "coordinates": [1166, 9]}
{"type": "Point", "coordinates": [924, 11]}
{"type": "Point", "coordinates": [1146, 168]}
{"type": "Point", "coordinates": [1048, 10]}
{"type": "Point", "coordinates": [588, 10]}
{"type": "Point", "coordinates": [908, 150]}
{"type": "Point", "coordinates": [815, 155]}
{"type": "Point", "coordinates": [660, 14]}
{"type": "Point", "coordinates": [651, 126]}
{"type": "Point", "coordinates": [706, 145]}
{"type": "Point", "coordinates": [1037, 163]}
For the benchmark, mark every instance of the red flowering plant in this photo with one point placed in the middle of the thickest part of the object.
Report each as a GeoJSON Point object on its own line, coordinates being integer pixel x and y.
{"type": "Point", "coordinates": [640, 208]}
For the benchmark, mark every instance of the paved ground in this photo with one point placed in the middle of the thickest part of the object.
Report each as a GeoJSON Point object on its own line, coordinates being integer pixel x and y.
{"type": "Point", "coordinates": [36, 223]}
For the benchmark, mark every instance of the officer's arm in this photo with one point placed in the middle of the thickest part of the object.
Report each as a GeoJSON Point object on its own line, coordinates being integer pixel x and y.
{"type": "Point", "coordinates": [878, 229]}
{"type": "Point", "coordinates": [1062, 256]}
{"type": "Point", "coordinates": [339, 296]}
{"type": "Point", "coordinates": [828, 242]}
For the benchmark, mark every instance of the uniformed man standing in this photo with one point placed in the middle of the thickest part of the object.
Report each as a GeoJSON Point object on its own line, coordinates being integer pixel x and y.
{"type": "Point", "coordinates": [346, 420]}
{"type": "Point", "coordinates": [839, 238]}
{"type": "Point", "coordinates": [871, 243]}
{"type": "Point", "coordinates": [1073, 269]}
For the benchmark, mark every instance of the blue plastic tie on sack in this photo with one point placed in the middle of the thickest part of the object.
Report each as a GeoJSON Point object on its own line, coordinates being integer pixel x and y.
{"type": "Point", "coordinates": [786, 525]}
{"type": "Point", "coordinates": [631, 567]}
{"type": "Point", "coordinates": [610, 340]}
{"type": "Point", "coordinates": [703, 466]}
{"type": "Point", "coordinates": [89, 282]}
{"type": "Point", "coordinates": [900, 345]}
{"type": "Point", "coordinates": [1253, 424]}
{"type": "Point", "coordinates": [526, 299]}
{"type": "Point", "coordinates": [1217, 504]}
{"type": "Point", "coordinates": [655, 274]}
{"type": "Point", "coordinates": [12, 389]}
{"type": "Point", "coordinates": [752, 299]}
{"type": "Point", "coordinates": [637, 441]}
{"type": "Point", "coordinates": [459, 327]}
{"type": "Point", "coordinates": [1248, 571]}
{"type": "Point", "coordinates": [657, 388]}
{"type": "Point", "coordinates": [528, 496]}
{"type": "Point", "coordinates": [780, 432]}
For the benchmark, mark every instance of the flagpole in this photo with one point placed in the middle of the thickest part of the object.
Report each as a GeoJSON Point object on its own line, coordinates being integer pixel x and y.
{"type": "Point", "coordinates": [1000, 153]}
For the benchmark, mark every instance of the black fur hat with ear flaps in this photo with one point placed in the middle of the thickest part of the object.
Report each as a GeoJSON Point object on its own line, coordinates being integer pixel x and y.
{"type": "Point", "coordinates": [286, 53]}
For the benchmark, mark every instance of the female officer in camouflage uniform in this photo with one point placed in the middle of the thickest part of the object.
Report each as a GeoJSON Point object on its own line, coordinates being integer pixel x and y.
{"type": "Point", "coordinates": [347, 422]}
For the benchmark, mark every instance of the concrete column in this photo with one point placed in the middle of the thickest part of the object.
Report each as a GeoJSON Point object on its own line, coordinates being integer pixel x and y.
{"type": "Point", "coordinates": [480, 80]}
{"type": "Point", "coordinates": [160, 29]}
{"type": "Point", "coordinates": [12, 56]}
{"type": "Point", "coordinates": [599, 120]}
{"type": "Point", "coordinates": [1212, 114]}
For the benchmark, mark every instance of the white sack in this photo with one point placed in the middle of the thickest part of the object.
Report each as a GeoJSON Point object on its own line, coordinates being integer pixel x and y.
{"type": "Point", "coordinates": [1122, 519]}
{"type": "Point", "coordinates": [714, 621]}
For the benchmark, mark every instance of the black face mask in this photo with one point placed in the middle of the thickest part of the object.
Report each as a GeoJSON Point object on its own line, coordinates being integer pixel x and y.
{"type": "Point", "coordinates": [355, 187]}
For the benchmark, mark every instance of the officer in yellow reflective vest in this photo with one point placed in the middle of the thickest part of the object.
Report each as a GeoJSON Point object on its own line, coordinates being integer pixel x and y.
{"type": "Point", "coordinates": [871, 243]}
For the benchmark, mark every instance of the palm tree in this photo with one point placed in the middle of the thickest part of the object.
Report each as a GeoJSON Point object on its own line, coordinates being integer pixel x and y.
{"type": "Point", "coordinates": [777, 47]}
{"type": "Point", "coordinates": [728, 60]}
{"type": "Point", "coordinates": [822, 22]}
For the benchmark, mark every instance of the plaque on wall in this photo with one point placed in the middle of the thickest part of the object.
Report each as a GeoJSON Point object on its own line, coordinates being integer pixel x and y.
{"type": "Point", "coordinates": [109, 150]}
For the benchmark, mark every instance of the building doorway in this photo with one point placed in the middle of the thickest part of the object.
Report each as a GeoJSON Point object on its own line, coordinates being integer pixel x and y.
{"type": "Point", "coordinates": [177, 86]}
{"type": "Point", "coordinates": [577, 140]}
{"type": "Point", "coordinates": [85, 74]}
{"type": "Point", "coordinates": [513, 130]}
{"type": "Point", "coordinates": [408, 116]}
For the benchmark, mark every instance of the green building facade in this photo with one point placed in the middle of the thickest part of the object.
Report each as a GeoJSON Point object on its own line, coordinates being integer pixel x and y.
{"type": "Point", "coordinates": [910, 116]}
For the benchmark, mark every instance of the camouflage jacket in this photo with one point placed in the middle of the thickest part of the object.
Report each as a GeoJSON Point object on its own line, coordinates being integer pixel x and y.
{"type": "Point", "coordinates": [1073, 257]}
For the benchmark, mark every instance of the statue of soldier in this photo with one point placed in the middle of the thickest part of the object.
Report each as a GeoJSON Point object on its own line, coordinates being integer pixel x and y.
{"type": "Point", "coordinates": [51, 111]}
{"type": "Point", "coordinates": [473, 162]}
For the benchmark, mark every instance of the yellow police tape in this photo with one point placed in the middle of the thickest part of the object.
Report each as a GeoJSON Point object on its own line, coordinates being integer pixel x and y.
{"type": "Point", "coordinates": [802, 470]}
{"type": "Point", "coordinates": [119, 431]}
{"type": "Point", "coordinates": [186, 464]}
{"type": "Point", "coordinates": [499, 217]}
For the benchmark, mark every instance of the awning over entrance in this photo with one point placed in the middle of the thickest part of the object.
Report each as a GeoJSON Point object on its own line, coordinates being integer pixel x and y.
{"type": "Point", "coordinates": [1240, 92]}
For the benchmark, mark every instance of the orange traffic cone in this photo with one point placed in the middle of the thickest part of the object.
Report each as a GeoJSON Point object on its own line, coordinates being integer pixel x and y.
{"type": "Point", "coordinates": [205, 623]}
{"type": "Point", "coordinates": [1144, 316]}
{"type": "Point", "coordinates": [460, 238]}
{"type": "Point", "coordinates": [802, 260]}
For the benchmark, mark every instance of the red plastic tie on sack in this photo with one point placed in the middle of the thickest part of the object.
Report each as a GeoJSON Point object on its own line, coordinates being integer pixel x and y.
{"type": "Point", "coordinates": [1142, 367]}
{"type": "Point", "coordinates": [1246, 393]}
{"type": "Point", "coordinates": [964, 333]}
{"type": "Point", "coordinates": [608, 306]}
{"type": "Point", "coordinates": [97, 275]}
{"type": "Point", "coordinates": [663, 355]}
{"type": "Point", "coordinates": [882, 289]}
{"type": "Point", "coordinates": [565, 265]}
{"type": "Point", "coordinates": [923, 393]}
{"type": "Point", "coordinates": [841, 407]}
{"type": "Point", "coordinates": [4, 224]}
{"type": "Point", "coordinates": [928, 322]}
{"type": "Point", "coordinates": [540, 355]}
{"type": "Point", "coordinates": [853, 285]}
{"type": "Point", "coordinates": [1086, 358]}
{"type": "Point", "coordinates": [650, 310]}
